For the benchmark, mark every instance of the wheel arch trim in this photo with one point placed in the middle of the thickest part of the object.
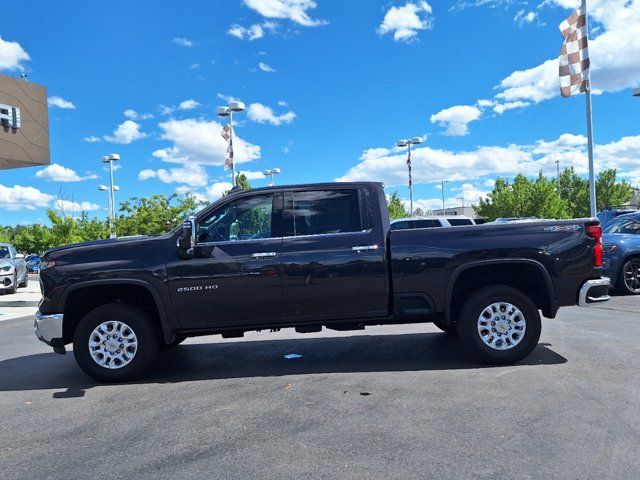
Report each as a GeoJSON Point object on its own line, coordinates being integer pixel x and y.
{"type": "Point", "coordinates": [167, 330]}
{"type": "Point", "coordinates": [550, 289]}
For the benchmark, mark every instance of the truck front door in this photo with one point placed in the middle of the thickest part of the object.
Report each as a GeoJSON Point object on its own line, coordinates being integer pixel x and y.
{"type": "Point", "coordinates": [234, 276]}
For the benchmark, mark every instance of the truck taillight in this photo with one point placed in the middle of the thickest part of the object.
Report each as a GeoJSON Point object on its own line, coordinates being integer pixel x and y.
{"type": "Point", "coordinates": [595, 232]}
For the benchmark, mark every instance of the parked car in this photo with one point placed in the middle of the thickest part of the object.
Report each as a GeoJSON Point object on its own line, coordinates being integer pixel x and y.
{"type": "Point", "coordinates": [308, 257]}
{"type": "Point", "coordinates": [431, 222]}
{"type": "Point", "coordinates": [33, 263]}
{"type": "Point", "coordinates": [13, 269]}
{"type": "Point", "coordinates": [605, 216]}
{"type": "Point", "coordinates": [622, 252]}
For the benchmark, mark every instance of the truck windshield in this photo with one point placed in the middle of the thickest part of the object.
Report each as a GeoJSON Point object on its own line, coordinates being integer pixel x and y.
{"type": "Point", "coordinates": [4, 252]}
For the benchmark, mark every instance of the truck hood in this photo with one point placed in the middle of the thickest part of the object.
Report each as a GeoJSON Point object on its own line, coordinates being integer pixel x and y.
{"type": "Point", "coordinates": [97, 243]}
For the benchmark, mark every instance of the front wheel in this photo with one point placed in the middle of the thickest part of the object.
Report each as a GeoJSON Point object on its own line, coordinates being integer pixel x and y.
{"type": "Point", "coordinates": [115, 342]}
{"type": "Point", "coordinates": [499, 325]}
{"type": "Point", "coordinates": [14, 285]}
{"type": "Point", "coordinates": [25, 282]}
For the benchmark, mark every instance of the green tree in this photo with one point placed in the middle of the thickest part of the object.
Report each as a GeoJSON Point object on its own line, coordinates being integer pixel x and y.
{"type": "Point", "coordinates": [523, 198]}
{"type": "Point", "coordinates": [609, 193]}
{"type": "Point", "coordinates": [574, 190]}
{"type": "Point", "coordinates": [396, 207]}
{"type": "Point", "coordinates": [154, 215]}
{"type": "Point", "coordinates": [64, 229]}
{"type": "Point", "coordinates": [242, 182]}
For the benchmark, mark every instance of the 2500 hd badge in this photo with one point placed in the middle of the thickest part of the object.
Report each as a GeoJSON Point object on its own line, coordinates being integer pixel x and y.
{"type": "Point", "coordinates": [196, 288]}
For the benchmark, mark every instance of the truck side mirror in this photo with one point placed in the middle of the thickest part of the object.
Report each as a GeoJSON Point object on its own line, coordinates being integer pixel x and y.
{"type": "Point", "coordinates": [187, 240]}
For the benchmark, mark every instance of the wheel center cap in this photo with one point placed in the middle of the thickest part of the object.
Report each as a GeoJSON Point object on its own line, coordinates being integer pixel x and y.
{"type": "Point", "coordinates": [112, 346]}
{"type": "Point", "coordinates": [502, 327]}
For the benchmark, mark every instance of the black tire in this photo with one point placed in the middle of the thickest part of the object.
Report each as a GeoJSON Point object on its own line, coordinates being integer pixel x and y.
{"type": "Point", "coordinates": [176, 341]}
{"type": "Point", "coordinates": [468, 323]}
{"type": "Point", "coordinates": [450, 329]}
{"type": "Point", "coordinates": [621, 285]}
{"type": "Point", "coordinates": [14, 286]}
{"type": "Point", "coordinates": [25, 284]}
{"type": "Point", "coordinates": [141, 325]}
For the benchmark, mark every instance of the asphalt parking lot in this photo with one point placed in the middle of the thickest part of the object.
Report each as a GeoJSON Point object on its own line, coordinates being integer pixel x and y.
{"type": "Point", "coordinates": [389, 402]}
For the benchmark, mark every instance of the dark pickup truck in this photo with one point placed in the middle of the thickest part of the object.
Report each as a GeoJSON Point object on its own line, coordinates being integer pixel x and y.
{"type": "Point", "coordinates": [307, 257]}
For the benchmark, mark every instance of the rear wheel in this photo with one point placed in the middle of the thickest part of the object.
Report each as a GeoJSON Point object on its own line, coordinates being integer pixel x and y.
{"type": "Point", "coordinates": [629, 280]}
{"type": "Point", "coordinates": [115, 342]}
{"type": "Point", "coordinates": [499, 325]}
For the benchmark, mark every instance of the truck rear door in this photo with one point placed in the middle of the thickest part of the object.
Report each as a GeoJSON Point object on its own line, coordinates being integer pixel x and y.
{"type": "Point", "coordinates": [333, 256]}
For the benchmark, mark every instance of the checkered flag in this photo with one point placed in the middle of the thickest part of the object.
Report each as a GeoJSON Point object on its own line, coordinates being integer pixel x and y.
{"type": "Point", "coordinates": [227, 134]}
{"type": "Point", "coordinates": [574, 55]}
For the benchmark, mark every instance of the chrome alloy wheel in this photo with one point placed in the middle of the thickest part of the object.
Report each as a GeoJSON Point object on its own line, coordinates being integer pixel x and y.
{"type": "Point", "coordinates": [632, 276]}
{"type": "Point", "coordinates": [113, 344]}
{"type": "Point", "coordinates": [501, 326]}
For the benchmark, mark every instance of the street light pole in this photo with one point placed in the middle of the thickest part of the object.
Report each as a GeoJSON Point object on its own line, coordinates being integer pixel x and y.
{"type": "Point", "coordinates": [104, 188]}
{"type": "Point", "coordinates": [444, 210]}
{"type": "Point", "coordinates": [271, 172]}
{"type": "Point", "coordinates": [408, 143]}
{"type": "Point", "coordinates": [112, 157]}
{"type": "Point", "coordinates": [228, 112]}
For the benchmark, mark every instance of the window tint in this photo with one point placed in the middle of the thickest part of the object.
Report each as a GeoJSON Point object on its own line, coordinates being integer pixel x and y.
{"type": "Point", "coordinates": [324, 211]}
{"type": "Point", "coordinates": [427, 223]}
{"type": "Point", "coordinates": [624, 225]}
{"type": "Point", "coordinates": [247, 218]}
{"type": "Point", "coordinates": [4, 252]}
{"type": "Point", "coordinates": [457, 222]}
{"type": "Point", "coordinates": [400, 226]}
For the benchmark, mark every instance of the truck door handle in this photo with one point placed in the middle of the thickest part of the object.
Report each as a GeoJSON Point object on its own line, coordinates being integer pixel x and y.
{"type": "Point", "coordinates": [263, 255]}
{"type": "Point", "coordinates": [364, 248]}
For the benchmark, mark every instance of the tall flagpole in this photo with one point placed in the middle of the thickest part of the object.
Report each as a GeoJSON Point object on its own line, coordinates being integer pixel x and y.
{"type": "Point", "coordinates": [592, 180]}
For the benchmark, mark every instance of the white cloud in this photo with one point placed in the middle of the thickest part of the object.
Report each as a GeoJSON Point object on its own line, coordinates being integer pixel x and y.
{"type": "Point", "coordinates": [523, 17]}
{"type": "Point", "coordinates": [253, 32]}
{"type": "Point", "coordinates": [216, 190]}
{"type": "Point", "coordinates": [282, 103]}
{"type": "Point", "coordinates": [432, 165]}
{"type": "Point", "coordinates": [60, 102]}
{"type": "Point", "coordinates": [12, 55]}
{"type": "Point", "coordinates": [252, 175]}
{"type": "Point", "coordinates": [500, 108]}
{"type": "Point", "coordinates": [127, 132]}
{"type": "Point", "coordinates": [456, 119]}
{"type": "Point", "coordinates": [614, 65]}
{"type": "Point", "coordinates": [133, 115]}
{"type": "Point", "coordinates": [294, 10]}
{"type": "Point", "coordinates": [200, 141]}
{"type": "Point", "coordinates": [92, 139]}
{"type": "Point", "coordinates": [23, 198]}
{"type": "Point", "coordinates": [266, 68]}
{"type": "Point", "coordinates": [190, 174]}
{"type": "Point", "coordinates": [188, 104]}
{"type": "Point", "coordinates": [71, 208]}
{"type": "Point", "coordinates": [184, 42]}
{"type": "Point", "coordinates": [405, 22]}
{"type": "Point", "coordinates": [263, 114]}
{"type": "Point", "coordinates": [193, 66]}
{"type": "Point", "coordinates": [57, 173]}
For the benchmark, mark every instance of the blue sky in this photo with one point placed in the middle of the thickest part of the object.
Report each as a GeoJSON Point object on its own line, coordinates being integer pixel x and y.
{"type": "Point", "coordinates": [329, 85]}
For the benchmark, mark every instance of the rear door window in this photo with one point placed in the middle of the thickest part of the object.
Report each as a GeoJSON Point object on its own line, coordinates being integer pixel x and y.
{"type": "Point", "coordinates": [317, 212]}
{"type": "Point", "coordinates": [401, 225]}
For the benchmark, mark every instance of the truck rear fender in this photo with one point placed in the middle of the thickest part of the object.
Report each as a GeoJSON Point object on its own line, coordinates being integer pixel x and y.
{"type": "Point", "coordinates": [527, 275]}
